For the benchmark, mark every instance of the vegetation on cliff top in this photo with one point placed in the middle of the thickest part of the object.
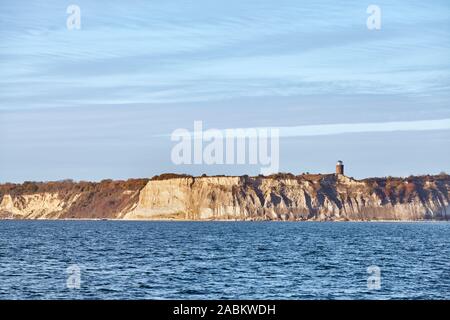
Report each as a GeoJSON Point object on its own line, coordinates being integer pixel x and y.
{"type": "Point", "coordinates": [69, 186]}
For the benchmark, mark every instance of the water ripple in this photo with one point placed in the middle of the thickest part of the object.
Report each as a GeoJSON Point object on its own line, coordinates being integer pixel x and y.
{"type": "Point", "coordinates": [223, 260]}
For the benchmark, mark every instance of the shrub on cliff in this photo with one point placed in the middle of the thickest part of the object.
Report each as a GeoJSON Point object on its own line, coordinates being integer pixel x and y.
{"type": "Point", "coordinates": [166, 176]}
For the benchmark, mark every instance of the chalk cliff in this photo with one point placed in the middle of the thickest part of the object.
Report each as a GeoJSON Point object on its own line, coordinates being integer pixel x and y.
{"type": "Point", "coordinates": [277, 197]}
{"type": "Point", "coordinates": [69, 200]}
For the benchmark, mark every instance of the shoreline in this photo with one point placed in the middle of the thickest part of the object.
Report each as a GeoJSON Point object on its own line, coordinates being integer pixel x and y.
{"type": "Point", "coordinates": [226, 221]}
{"type": "Point", "coordinates": [280, 197]}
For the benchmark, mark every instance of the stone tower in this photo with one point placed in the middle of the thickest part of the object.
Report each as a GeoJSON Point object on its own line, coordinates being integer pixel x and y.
{"type": "Point", "coordinates": [339, 167]}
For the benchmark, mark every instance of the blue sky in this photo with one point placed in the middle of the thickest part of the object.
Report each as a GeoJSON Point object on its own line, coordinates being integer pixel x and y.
{"type": "Point", "coordinates": [100, 102]}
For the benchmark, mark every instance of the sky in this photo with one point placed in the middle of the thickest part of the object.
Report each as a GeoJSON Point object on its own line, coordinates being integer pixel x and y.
{"type": "Point", "coordinates": [102, 101]}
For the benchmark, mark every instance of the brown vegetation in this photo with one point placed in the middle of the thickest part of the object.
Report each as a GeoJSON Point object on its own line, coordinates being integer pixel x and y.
{"type": "Point", "coordinates": [90, 199]}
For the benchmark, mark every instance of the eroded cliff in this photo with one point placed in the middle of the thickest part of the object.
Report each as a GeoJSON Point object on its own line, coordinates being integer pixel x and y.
{"type": "Point", "coordinates": [278, 197]}
{"type": "Point", "coordinates": [288, 197]}
{"type": "Point", "coordinates": [69, 200]}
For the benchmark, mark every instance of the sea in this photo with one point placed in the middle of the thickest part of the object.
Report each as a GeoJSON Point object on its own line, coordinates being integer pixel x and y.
{"type": "Point", "coordinates": [224, 260]}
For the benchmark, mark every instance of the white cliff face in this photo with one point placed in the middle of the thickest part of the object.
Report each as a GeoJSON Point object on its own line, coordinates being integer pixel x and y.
{"type": "Point", "coordinates": [328, 198]}
{"type": "Point", "coordinates": [186, 198]}
{"type": "Point", "coordinates": [35, 206]}
{"type": "Point", "coordinates": [284, 197]}
{"type": "Point", "coordinates": [69, 200]}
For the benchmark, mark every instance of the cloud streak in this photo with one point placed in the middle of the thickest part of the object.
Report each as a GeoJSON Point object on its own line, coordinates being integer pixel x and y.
{"type": "Point", "coordinates": [368, 127]}
{"type": "Point", "coordinates": [335, 129]}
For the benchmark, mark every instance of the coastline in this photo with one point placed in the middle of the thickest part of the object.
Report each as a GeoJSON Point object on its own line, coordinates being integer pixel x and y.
{"type": "Point", "coordinates": [229, 221]}
{"type": "Point", "coordinates": [281, 197]}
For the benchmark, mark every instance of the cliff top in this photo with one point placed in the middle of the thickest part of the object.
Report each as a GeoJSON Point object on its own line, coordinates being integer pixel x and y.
{"type": "Point", "coordinates": [309, 176]}
{"type": "Point", "coordinates": [410, 183]}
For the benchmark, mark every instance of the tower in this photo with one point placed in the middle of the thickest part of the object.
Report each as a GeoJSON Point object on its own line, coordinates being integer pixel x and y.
{"type": "Point", "coordinates": [339, 167]}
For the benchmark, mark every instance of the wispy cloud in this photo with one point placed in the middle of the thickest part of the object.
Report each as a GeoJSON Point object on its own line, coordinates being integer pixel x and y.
{"type": "Point", "coordinates": [369, 127]}
{"type": "Point", "coordinates": [159, 52]}
{"type": "Point", "coordinates": [336, 128]}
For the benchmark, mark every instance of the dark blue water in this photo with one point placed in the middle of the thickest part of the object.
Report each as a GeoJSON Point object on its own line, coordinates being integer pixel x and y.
{"type": "Point", "coordinates": [223, 260]}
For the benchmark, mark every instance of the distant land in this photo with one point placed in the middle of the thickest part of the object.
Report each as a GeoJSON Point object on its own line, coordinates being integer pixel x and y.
{"type": "Point", "coordinates": [306, 197]}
